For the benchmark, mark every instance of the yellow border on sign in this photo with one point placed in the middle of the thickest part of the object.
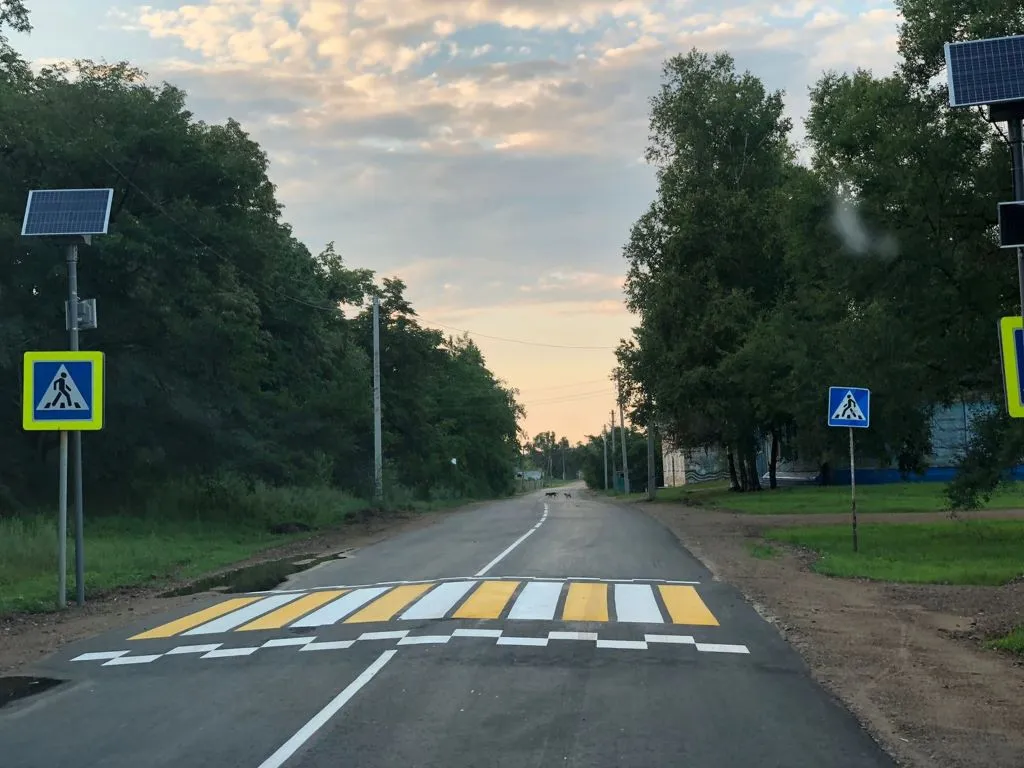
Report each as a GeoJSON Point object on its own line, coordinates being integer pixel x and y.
{"type": "Point", "coordinates": [1008, 357]}
{"type": "Point", "coordinates": [28, 421]}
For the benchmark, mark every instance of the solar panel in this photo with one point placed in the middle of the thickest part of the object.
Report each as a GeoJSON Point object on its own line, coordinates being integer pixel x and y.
{"type": "Point", "coordinates": [1011, 225]}
{"type": "Point", "coordinates": [55, 212]}
{"type": "Point", "coordinates": [985, 71]}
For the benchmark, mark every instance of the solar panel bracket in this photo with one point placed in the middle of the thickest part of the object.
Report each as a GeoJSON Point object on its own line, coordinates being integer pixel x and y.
{"type": "Point", "coordinates": [61, 239]}
{"type": "Point", "coordinates": [1006, 111]}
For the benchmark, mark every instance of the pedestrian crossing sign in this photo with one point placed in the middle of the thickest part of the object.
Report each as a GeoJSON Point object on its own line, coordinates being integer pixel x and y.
{"type": "Point", "coordinates": [63, 391]}
{"type": "Point", "coordinates": [1011, 349]}
{"type": "Point", "coordinates": [849, 407]}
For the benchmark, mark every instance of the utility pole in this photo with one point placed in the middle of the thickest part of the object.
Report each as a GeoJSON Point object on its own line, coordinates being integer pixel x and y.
{"type": "Point", "coordinates": [378, 454]}
{"type": "Point", "coordinates": [613, 448]}
{"type": "Point", "coordinates": [604, 439]}
{"type": "Point", "coordinates": [622, 431]}
{"type": "Point", "coordinates": [652, 474]}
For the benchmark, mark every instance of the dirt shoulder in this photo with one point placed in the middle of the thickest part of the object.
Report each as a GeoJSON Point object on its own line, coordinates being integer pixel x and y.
{"type": "Point", "coordinates": [26, 638]}
{"type": "Point", "coordinates": [907, 660]}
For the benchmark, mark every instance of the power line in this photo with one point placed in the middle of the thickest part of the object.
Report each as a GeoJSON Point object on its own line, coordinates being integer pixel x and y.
{"type": "Point", "coordinates": [563, 386]}
{"type": "Point", "coordinates": [514, 341]}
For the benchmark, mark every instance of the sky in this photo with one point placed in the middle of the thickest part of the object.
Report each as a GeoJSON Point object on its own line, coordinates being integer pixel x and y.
{"type": "Point", "coordinates": [488, 152]}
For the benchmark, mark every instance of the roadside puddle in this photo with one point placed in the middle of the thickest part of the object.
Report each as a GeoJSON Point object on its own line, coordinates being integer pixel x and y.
{"type": "Point", "coordinates": [255, 578]}
{"type": "Point", "coordinates": [18, 687]}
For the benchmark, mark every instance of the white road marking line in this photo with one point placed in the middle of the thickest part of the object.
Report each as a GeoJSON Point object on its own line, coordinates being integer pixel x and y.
{"type": "Point", "coordinates": [243, 615]}
{"type": "Point", "coordinates": [285, 641]}
{"type": "Point", "coordinates": [514, 544]}
{"type": "Point", "coordinates": [538, 641]}
{"type": "Point", "coordinates": [425, 640]}
{"type": "Point", "coordinates": [311, 590]}
{"type": "Point", "coordinates": [224, 653]}
{"type": "Point", "coordinates": [629, 645]}
{"type": "Point", "coordinates": [672, 639]}
{"type": "Point", "coordinates": [307, 731]}
{"type": "Point", "coordinates": [183, 649]}
{"type": "Point", "coordinates": [537, 601]}
{"type": "Point", "coordinates": [121, 660]}
{"type": "Point", "coordinates": [329, 645]}
{"type": "Point", "coordinates": [340, 608]}
{"type": "Point", "coordinates": [635, 603]}
{"type": "Point", "coordinates": [100, 655]}
{"type": "Point", "coordinates": [436, 603]}
{"type": "Point", "coordinates": [572, 636]}
{"type": "Point", "coordinates": [721, 648]}
{"type": "Point", "coordinates": [392, 635]}
{"type": "Point", "coordinates": [472, 633]}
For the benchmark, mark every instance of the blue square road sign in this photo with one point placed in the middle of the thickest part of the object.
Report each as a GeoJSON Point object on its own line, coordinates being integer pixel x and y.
{"type": "Point", "coordinates": [63, 391]}
{"type": "Point", "coordinates": [849, 407]}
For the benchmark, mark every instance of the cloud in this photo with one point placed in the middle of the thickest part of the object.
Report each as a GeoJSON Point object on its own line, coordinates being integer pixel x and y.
{"type": "Point", "coordinates": [485, 151]}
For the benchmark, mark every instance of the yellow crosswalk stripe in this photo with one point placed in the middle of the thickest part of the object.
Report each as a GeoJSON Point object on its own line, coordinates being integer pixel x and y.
{"type": "Point", "coordinates": [387, 605]}
{"type": "Point", "coordinates": [685, 606]}
{"type": "Point", "coordinates": [195, 619]}
{"type": "Point", "coordinates": [292, 611]}
{"type": "Point", "coordinates": [586, 602]}
{"type": "Point", "coordinates": [487, 601]}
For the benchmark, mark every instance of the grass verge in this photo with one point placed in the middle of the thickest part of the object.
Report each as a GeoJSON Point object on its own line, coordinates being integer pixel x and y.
{"type": "Point", "coordinates": [893, 497]}
{"type": "Point", "coordinates": [184, 531]}
{"type": "Point", "coordinates": [984, 552]}
{"type": "Point", "coordinates": [763, 551]}
{"type": "Point", "coordinates": [1013, 642]}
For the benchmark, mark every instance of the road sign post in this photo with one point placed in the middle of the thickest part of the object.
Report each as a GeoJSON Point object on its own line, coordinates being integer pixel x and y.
{"type": "Point", "coordinates": [988, 73]}
{"type": "Point", "coordinates": [70, 217]}
{"type": "Point", "coordinates": [850, 407]}
{"type": "Point", "coordinates": [63, 391]}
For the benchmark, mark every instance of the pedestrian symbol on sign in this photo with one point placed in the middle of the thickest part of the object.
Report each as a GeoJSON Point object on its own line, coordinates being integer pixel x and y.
{"type": "Point", "coordinates": [849, 410]}
{"type": "Point", "coordinates": [62, 393]}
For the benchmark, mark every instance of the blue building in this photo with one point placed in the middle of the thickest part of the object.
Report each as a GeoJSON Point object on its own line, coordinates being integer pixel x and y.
{"type": "Point", "coordinates": [951, 432]}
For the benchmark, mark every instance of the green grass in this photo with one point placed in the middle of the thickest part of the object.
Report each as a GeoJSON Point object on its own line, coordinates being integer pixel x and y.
{"type": "Point", "coordinates": [119, 553]}
{"type": "Point", "coordinates": [1013, 642]}
{"type": "Point", "coordinates": [986, 552]}
{"type": "Point", "coordinates": [893, 497]}
{"type": "Point", "coordinates": [183, 531]}
{"type": "Point", "coordinates": [763, 551]}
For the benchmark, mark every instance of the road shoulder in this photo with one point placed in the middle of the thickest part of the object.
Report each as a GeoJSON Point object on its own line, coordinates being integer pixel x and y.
{"type": "Point", "coordinates": [27, 638]}
{"type": "Point", "coordinates": [904, 662]}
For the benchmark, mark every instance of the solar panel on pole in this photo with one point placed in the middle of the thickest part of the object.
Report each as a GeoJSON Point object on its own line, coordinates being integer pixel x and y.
{"type": "Point", "coordinates": [67, 212]}
{"type": "Point", "coordinates": [984, 72]}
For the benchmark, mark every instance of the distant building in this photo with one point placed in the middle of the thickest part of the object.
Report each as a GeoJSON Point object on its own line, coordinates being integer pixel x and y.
{"type": "Point", "coordinates": [951, 432]}
{"type": "Point", "coordinates": [529, 474]}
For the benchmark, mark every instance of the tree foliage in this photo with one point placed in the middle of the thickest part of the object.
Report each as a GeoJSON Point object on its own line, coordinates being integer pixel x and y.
{"type": "Point", "coordinates": [761, 277]}
{"type": "Point", "coordinates": [230, 347]}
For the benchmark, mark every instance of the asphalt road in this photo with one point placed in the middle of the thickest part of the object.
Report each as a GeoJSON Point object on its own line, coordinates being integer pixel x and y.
{"type": "Point", "coordinates": [532, 632]}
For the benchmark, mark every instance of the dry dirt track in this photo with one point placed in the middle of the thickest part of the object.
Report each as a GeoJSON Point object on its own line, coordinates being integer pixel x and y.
{"type": "Point", "coordinates": [905, 659]}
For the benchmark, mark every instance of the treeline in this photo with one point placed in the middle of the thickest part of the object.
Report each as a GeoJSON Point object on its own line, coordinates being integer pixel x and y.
{"type": "Point", "coordinates": [232, 351]}
{"type": "Point", "coordinates": [763, 272]}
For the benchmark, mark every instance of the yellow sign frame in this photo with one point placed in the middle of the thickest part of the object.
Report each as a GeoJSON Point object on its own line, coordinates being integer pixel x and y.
{"type": "Point", "coordinates": [28, 419]}
{"type": "Point", "coordinates": [1011, 364]}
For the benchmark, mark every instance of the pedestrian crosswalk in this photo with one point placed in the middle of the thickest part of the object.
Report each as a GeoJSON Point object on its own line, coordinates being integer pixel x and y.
{"type": "Point", "coordinates": [512, 600]}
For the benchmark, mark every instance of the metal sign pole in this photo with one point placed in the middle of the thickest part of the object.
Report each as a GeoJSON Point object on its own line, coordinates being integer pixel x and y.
{"type": "Point", "coordinates": [853, 493]}
{"type": "Point", "coordinates": [1016, 135]}
{"type": "Point", "coordinates": [62, 525]}
{"type": "Point", "coordinates": [378, 460]}
{"type": "Point", "coordinates": [72, 259]}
